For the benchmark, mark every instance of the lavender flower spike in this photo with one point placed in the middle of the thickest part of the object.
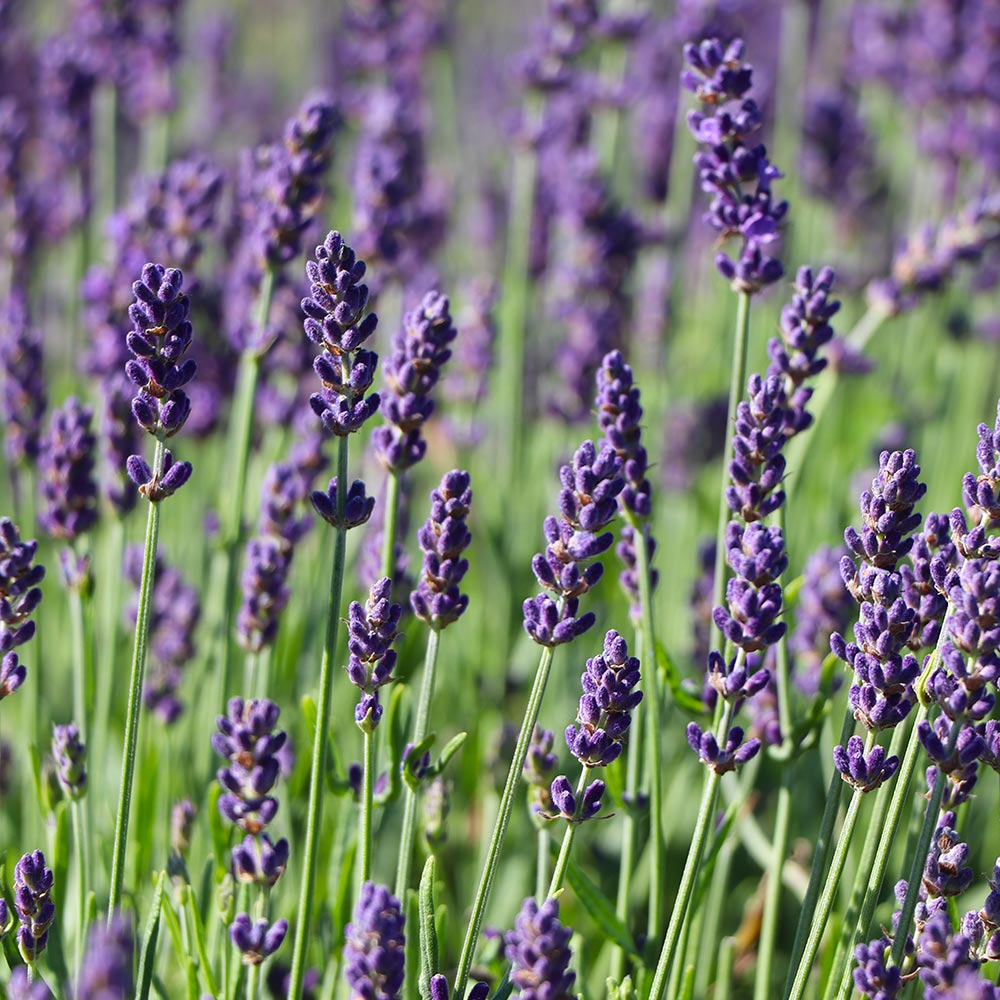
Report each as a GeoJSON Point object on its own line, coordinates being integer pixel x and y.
{"type": "Point", "coordinates": [33, 902]}
{"type": "Point", "coordinates": [106, 972]}
{"type": "Point", "coordinates": [538, 949]}
{"type": "Point", "coordinates": [372, 629]}
{"type": "Point", "coordinates": [256, 941]}
{"type": "Point", "coordinates": [374, 957]}
{"type": "Point", "coordinates": [69, 753]}
{"type": "Point", "coordinates": [443, 538]}
{"type": "Point", "coordinates": [66, 468]}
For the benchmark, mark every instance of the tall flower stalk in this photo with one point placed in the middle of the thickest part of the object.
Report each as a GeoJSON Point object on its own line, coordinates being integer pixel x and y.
{"type": "Point", "coordinates": [160, 336]}
{"type": "Point", "coordinates": [338, 321]}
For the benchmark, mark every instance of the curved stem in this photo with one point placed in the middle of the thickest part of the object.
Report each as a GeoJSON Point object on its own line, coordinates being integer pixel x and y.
{"type": "Point", "coordinates": [542, 862]}
{"type": "Point", "coordinates": [736, 380]}
{"type": "Point", "coordinates": [135, 693]}
{"type": "Point", "coordinates": [408, 835]}
{"type": "Point", "coordinates": [367, 808]}
{"type": "Point", "coordinates": [559, 872]}
{"type": "Point", "coordinates": [503, 820]}
{"type": "Point", "coordinates": [321, 737]}
{"type": "Point", "coordinates": [691, 866]}
{"type": "Point", "coordinates": [829, 889]}
{"type": "Point", "coordinates": [390, 526]}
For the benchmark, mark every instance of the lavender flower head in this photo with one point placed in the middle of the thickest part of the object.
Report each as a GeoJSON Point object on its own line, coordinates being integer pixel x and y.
{"type": "Point", "coordinates": [737, 175]}
{"type": "Point", "coordinates": [981, 494]}
{"type": "Point", "coordinates": [106, 972]}
{"type": "Point", "coordinates": [66, 469]}
{"type": "Point", "coordinates": [538, 949]}
{"type": "Point", "coordinates": [374, 943]}
{"type": "Point", "coordinates": [265, 593]}
{"type": "Point", "coordinates": [33, 902]}
{"type": "Point", "coordinates": [419, 351]}
{"type": "Point", "coordinates": [21, 987]}
{"type": "Point", "coordinates": [588, 502]}
{"type": "Point", "coordinates": [539, 769]}
{"type": "Point", "coordinates": [20, 596]}
{"type": "Point", "coordinates": [336, 320]}
{"type": "Point", "coordinates": [371, 630]}
{"type": "Point", "coordinates": [256, 940]}
{"type": "Point", "coordinates": [24, 391]}
{"type": "Point", "coordinates": [70, 753]}
{"type": "Point", "coordinates": [443, 538]}
{"type": "Point", "coordinates": [247, 739]}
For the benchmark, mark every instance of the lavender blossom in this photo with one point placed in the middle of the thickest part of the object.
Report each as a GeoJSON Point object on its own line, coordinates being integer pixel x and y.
{"type": "Point", "coordinates": [538, 949]}
{"type": "Point", "coordinates": [443, 538]}
{"type": "Point", "coordinates": [873, 976]}
{"type": "Point", "coordinates": [24, 395]}
{"type": "Point", "coordinates": [735, 752]}
{"type": "Point", "coordinates": [567, 570]}
{"type": "Point", "coordinates": [372, 629]}
{"type": "Point", "coordinates": [729, 166]}
{"type": "Point", "coordinates": [70, 753]}
{"type": "Point", "coordinates": [20, 593]}
{"type": "Point", "coordinates": [265, 593]}
{"type": "Point", "coordinates": [66, 469]}
{"type": "Point", "coordinates": [256, 940]}
{"type": "Point", "coordinates": [419, 352]}
{"type": "Point", "coordinates": [21, 987]}
{"type": "Point", "coordinates": [246, 738]}
{"type": "Point", "coordinates": [864, 772]}
{"type": "Point", "coordinates": [933, 546]}
{"type": "Point", "coordinates": [182, 816]}
{"type": "Point", "coordinates": [259, 861]}
{"type": "Point", "coordinates": [539, 769]}
{"type": "Point", "coordinates": [374, 943]}
{"type": "Point", "coordinates": [336, 320]}
{"type": "Point", "coordinates": [573, 808]}
{"type": "Point", "coordinates": [981, 494]}
{"type": "Point", "coordinates": [106, 971]}
{"type": "Point", "coordinates": [33, 902]}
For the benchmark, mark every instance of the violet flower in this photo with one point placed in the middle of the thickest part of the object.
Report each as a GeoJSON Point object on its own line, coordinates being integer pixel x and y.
{"type": "Point", "coordinates": [256, 940]}
{"type": "Point", "coordinates": [25, 394]}
{"type": "Point", "coordinates": [539, 769]}
{"type": "Point", "coordinates": [33, 902]}
{"type": "Point", "coordinates": [374, 943]}
{"type": "Point", "coordinates": [20, 596]}
{"type": "Point", "coordinates": [106, 970]}
{"type": "Point", "coordinates": [372, 629]}
{"type": "Point", "coordinates": [538, 949]}
{"type": "Point", "coordinates": [443, 538]}
{"type": "Point", "coordinates": [70, 754]}
{"type": "Point", "coordinates": [737, 175]}
{"type": "Point", "coordinates": [66, 469]}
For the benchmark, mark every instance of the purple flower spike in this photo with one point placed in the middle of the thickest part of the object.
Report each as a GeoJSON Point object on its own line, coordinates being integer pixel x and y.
{"type": "Point", "coordinates": [21, 988]}
{"type": "Point", "coordinates": [358, 506]}
{"type": "Point", "coordinates": [721, 759]}
{"type": "Point", "coordinates": [20, 593]}
{"type": "Point", "coordinates": [161, 335]}
{"type": "Point", "coordinates": [864, 773]}
{"type": "Point", "coordinates": [538, 949]}
{"type": "Point", "coordinates": [66, 468]}
{"type": "Point", "coordinates": [564, 798]}
{"type": "Point", "coordinates": [874, 977]}
{"type": "Point", "coordinates": [24, 394]}
{"type": "Point", "coordinates": [336, 319]}
{"type": "Point", "coordinates": [737, 176]}
{"type": "Point", "coordinates": [539, 768]}
{"type": "Point", "coordinates": [70, 753]}
{"type": "Point", "coordinates": [371, 630]}
{"type": "Point", "coordinates": [735, 681]}
{"type": "Point", "coordinates": [259, 861]}
{"type": "Point", "coordinates": [374, 943]}
{"type": "Point", "coordinates": [605, 712]}
{"type": "Point", "coordinates": [33, 902]}
{"type": "Point", "coordinates": [265, 593]}
{"type": "Point", "coordinates": [443, 538]}
{"type": "Point", "coordinates": [182, 817]}
{"type": "Point", "coordinates": [106, 972]}
{"type": "Point", "coordinates": [419, 352]}
{"type": "Point", "coordinates": [256, 941]}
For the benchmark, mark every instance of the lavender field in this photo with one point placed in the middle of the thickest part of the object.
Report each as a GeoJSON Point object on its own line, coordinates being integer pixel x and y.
{"type": "Point", "coordinates": [499, 499]}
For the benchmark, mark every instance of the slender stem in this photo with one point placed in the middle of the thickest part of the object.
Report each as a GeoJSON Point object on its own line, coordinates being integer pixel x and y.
{"type": "Point", "coordinates": [542, 862]}
{"type": "Point", "coordinates": [106, 677]}
{"type": "Point", "coordinates": [367, 808]}
{"type": "Point", "coordinates": [736, 380]}
{"type": "Point", "coordinates": [919, 859]}
{"type": "Point", "coordinates": [253, 982]}
{"type": "Point", "coordinates": [79, 839]}
{"type": "Point", "coordinates": [559, 872]}
{"type": "Point", "coordinates": [691, 866]}
{"type": "Point", "coordinates": [408, 835]}
{"type": "Point", "coordinates": [829, 890]}
{"type": "Point", "coordinates": [321, 737]}
{"type": "Point", "coordinates": [389, 527]}
{"type": "Point", "coordinates": [82, 660]}
{"type": "Point", "coordinates": [503, 819]}
{"type": "Point", "coordinates": [821, 855]}
{"type": "Point", "coordinates": [135, 693]}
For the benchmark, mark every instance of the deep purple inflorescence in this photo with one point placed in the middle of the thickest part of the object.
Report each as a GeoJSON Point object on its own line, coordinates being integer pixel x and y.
{"type": "Point", "coordinates": [21, 987]}
{"type": "Point", "coordinates": [247, 739]}
{"type": "Point", "coordinates": [106, 971]}
{"type": "Point", "coordinates": [588, 501]}
{"type": "Point", "coordinates": [33, 902]}
{"type": "Point", "coordinates": [374, 943]}
{"type": "Point", "coordinates": [24, 393]}
{"type": "Point", "coordinates": [737, 175]}
{"type": "Point", "coordinates": [443, 538]}
{"type": "Point", "coordinates": [256, 940]}
{"type": "Point", "coordinates": [538, 949]}
{"type": "Point", "coordinates": [619, 415]}
{"type": "Point", "coordinates": [20, 596]}
{"type": "Point", "coordinates": [66, 471]}
{"type": "Point", "coordinates": [70, 753]}
{"type": "Point", "coordinates": [419, 352]}
{"type": "Point", "coordinates": [372, 629]}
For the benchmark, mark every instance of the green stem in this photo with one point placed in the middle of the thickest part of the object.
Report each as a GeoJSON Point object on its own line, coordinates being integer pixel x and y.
{"type": "Point", "coordinates": [736, 380]}
{"type": "Point", "coordinates": [321, 737]}
{"type": "Point", "coordinates": [82, 660]}
{"type": "Point", "coordinates": [106, 678]}
{"type": "Point", "coordinates": [135, 693]}
{"type": "Point", "coordinates": [503, 819]}
{"type": "Point", "coordinates": [542, 862]}
{"type": "Point", "coordinates": [389, 528]}
{"type": "Point", "coordinates": [409, 832]}
{"type": "Point", "coordinates": [79, 838]}
{"type": "Point", "coordinates": [253, 982]}
{"type": "Point", "coordinates": [367, 808]}
{"type": "Point", "coordinates": [688, 877]}
{"type": "Point", "coordinates": [919, 857]}
{"type": "Point", "coordinates": [559, 872]}
{"type": "Point", "coordinates": [825, 904]}
{"type": "Point", "coordinates": [821, 855]}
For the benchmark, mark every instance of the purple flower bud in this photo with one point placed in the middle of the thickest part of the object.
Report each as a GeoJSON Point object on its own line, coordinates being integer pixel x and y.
{"type": "Point", "coordinates": [538, 949]}
{"type": "Point", "coordinates": [258, 860]}
{"type": "Point", "coordinates": [358, 506]}
{"type": "Point", "coordinates": [70, 753]}
{"type": "Point", "coordinates": [106, 971]}
{"type": "Point", "coordinates": [66, 468]}
{"type": "Point", "coordinates": [735, 753]}
{"type": "Point", "coordinates": [33, 902]}
{"type": "Point", "coordinates": [864, 772]}
{"type": "Point", "coordinates": [256, 941]}
{"type": "Point", "coordinates": [20, 987]}
{"type": "Point", "coordinates": [374, 943]}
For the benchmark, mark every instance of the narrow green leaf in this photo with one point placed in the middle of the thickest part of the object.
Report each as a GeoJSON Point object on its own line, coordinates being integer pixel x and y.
{"type": "Point", "coordinates": [217, 830]}
{"type": "Point", "coordinates": [685, 700]}
{"type": "Point", "coordinates": [412, 948]}
{"type": "Point", "coordinates": [308, 707]}
{"type": "Point", "coordinates": [149, 937]}
{"type": "Point", "coordinates": [505, 988]}
{"type": "Point", "coordinates": [452, 748]}
{"type": "Point", "coordinates": [601, 909]}
{"type": "Point", "coordinates": [429, 960]}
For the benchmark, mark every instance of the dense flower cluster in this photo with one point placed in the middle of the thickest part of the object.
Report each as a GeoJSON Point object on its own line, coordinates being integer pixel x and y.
{"type": "Point", "coordinates": [33, 902]}
{"type": "Point", "coordinates": [24, 393]}
{"type": "Point", "coordinates": [443, 538]}
{"type": "Point", "coordinates": [737, 175]}
{"type": "Point", "coordinates": [66, 469]}
{"type": "Point", "coordinates": [70, 753]}
{"type": "Point", "coordinates": [372, 628]}
{"type": "Point", "coordinates": [588, 501]}
{"type": "Point", "coordinates": [374, 945]}
{"type": "Point", "coordinates": [106, 972]}
{"type": "Point", "coordinates": [538, 949]}
{"type": "Point", "coordinates": [20, 596]}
